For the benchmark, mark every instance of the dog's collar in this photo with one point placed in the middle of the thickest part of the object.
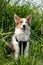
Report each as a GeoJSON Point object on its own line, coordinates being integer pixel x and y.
{"type": "Point", "coordinates": [20, 40]}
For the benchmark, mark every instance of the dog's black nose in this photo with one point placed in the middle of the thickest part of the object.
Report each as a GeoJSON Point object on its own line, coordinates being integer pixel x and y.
{"type": "Point", "coordinates": [24, 26]}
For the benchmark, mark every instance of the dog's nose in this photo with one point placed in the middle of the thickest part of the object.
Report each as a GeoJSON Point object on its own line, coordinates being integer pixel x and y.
{"type": "Point", "coordinates": [24, 26]}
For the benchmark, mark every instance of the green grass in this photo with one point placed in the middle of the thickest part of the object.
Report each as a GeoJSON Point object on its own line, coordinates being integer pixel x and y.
{"type": "Point", "coordinates": [7, 25]}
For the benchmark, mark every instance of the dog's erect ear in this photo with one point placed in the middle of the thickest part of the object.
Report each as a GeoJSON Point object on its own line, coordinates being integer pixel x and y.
{"type": "Point", "coordinates": [16, 18]}
{"type": "Point", "coordinates": [29, 18]}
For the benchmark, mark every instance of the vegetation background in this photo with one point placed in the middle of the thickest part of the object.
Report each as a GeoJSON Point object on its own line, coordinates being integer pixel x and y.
{"type": "Point", "coordinates": [7, 26]}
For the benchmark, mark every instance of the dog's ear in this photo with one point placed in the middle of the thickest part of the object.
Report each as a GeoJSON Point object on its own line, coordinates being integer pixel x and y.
{"type": "Point", "coordinates": [16, 18]}
{"type": "Point", "coordinates": [29, 18]}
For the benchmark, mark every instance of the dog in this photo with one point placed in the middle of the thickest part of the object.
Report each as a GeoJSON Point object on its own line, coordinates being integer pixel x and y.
{"type": "Point", "coordinates": [21, 35]}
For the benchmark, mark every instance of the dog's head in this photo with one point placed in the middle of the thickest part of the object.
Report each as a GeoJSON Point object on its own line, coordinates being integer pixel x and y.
{"type": "Point", "coordinates": [22, 23]}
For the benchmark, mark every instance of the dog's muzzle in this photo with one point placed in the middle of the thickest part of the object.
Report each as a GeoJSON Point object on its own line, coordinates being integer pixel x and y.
{"type": "Point", "coordinates": [24, 27]}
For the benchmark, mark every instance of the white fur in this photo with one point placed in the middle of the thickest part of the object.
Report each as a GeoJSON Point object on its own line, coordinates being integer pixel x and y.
{"type": "Point", "coordinates": [21, 36]}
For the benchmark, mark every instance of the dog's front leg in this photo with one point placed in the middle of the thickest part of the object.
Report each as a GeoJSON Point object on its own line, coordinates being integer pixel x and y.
{"type": "Point", "coordinates": [26, 50]}
{"type": "Point", "coordinates": [16, 52]}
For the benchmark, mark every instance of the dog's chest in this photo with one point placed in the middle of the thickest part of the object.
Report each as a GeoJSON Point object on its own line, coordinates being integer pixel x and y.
{"type": "Point", "coordinates": [22, 35]}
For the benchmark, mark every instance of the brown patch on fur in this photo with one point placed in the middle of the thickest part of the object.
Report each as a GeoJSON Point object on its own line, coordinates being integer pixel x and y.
{"type": "Point", "coordinates": [19, 23]}
{"type": "Point", "coordinates": [12, 47]}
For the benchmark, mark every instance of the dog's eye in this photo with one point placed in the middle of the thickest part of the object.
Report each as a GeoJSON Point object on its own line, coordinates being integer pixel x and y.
{"type": "Point", "coordinates": [21, 22]}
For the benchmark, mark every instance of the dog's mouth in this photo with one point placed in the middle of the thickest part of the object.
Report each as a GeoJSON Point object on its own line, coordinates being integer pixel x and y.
{"type": "Point", "coordinates": [23, 28]}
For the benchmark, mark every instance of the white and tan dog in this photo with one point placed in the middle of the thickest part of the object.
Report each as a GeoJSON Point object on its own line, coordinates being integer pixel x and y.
{"type": "Point", "coordinates": [21, 35]}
